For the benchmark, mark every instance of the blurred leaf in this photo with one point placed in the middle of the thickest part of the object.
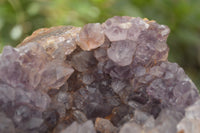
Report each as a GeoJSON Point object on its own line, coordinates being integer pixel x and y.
{"type": "Point", "coordinates": [1, 23]}
{"type": "Point", "coordinates": [16, 32]}
{"type": "Point", "coordinates": [188, 36]}
{"type": "Point", "coordinates": [33, 8]}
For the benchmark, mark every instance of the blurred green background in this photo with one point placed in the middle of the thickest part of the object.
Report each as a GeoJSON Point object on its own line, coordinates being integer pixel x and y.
{"type": "Point", "coordinates": [19, 18]}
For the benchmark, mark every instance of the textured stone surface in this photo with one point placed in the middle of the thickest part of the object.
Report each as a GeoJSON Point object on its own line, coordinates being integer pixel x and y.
{"type": "Point", "coordinates": [86, 127]}
{"type": "Point", "coordinates": [6, 124]}
{"type": "Point", "coordinates": [112, 77]}
{"type": "Point", "coordinates": [191, 122]}
{"type": "Point", "coordinates": [104, 126]}
{"type": "Point", "coordinates": [121, 52]}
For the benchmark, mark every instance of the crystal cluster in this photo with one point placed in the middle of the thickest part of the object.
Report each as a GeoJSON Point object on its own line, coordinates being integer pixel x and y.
{"type": "Point", "coordinates": [103, 78]}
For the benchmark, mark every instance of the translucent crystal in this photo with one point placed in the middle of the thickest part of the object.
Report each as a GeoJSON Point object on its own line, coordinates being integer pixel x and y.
{"type": "Point", "coordinates": [190, 123]}
{"type": "Point", "coordinates": [104, 126]}
{"type": "Point", "coordinates": [83, 61]}
{"type": "Point", "coordinates": [117, 79]}
{"type": "Point", "coordinates": [121, 52]}
{"type": "Point", "coordinates": [131, 128]}
{"type": "Point", "coordinates": [171, 90]}
{"type": "Point", "coordinates": [91, 36]}
{"type": "Point", "coordinates": [167, 121]}
{"type": "Point", "coordinates": [6, 124]}
{"type": "Point", "coordinates": [86, 127]}
{"type": "Point", "coordinates": [123, 28]}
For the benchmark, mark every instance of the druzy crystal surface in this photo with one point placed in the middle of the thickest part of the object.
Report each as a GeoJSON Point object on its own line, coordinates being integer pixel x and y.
{"type": "Point", "coordinates": [112, 77]}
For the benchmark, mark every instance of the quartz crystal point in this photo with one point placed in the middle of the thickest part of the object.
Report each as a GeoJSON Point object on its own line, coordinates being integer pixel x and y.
{"type": "Point", "coordinates": [112, 77]}
{"type": "Point", "coordinates": [91, 36]}
{"type": "Point", "coordinates": [122, 52]}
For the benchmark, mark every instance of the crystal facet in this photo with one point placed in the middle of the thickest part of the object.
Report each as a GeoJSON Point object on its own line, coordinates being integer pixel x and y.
{"type": "Point", "coordinates": [103, 78]}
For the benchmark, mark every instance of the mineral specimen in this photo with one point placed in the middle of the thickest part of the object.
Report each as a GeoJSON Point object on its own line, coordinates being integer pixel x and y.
{"type": "Point", "coordinates": [91, 36]}
{"type": "Point", "coordinates": [103, 78]}
{"type": "Point", "coordinates": [86, 127]}
{"type": "Point", "coordinates": [190, 123]}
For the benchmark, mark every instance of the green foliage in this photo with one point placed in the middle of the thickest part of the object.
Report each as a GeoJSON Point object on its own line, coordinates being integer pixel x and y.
{"type": "Point", "coordinates": [19, 18]}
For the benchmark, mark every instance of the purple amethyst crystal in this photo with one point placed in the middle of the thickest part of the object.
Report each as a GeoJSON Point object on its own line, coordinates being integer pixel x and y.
{"type": "Point", "coordinates": [191, 120]}
{"type": "Point", "coordinates": [122, 52]}
{"type": "Point", "coordinates": [103, 78]}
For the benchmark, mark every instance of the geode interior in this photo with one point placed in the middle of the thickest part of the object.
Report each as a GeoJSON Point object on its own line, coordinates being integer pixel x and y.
{"type": "Point", "coordinates": [102, 78]}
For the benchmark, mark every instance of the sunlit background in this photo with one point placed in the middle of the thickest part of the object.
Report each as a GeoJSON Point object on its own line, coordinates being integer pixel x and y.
{"type": "Point", "coordinates": [19, 18]}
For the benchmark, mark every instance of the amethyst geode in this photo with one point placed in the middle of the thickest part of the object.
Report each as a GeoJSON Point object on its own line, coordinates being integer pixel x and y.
{"type": "Point", "coordinates": [103, 78]}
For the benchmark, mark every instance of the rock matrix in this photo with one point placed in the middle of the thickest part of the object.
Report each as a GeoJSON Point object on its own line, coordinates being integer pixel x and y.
{"type": "Point", "coordinates": [112, 77]}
